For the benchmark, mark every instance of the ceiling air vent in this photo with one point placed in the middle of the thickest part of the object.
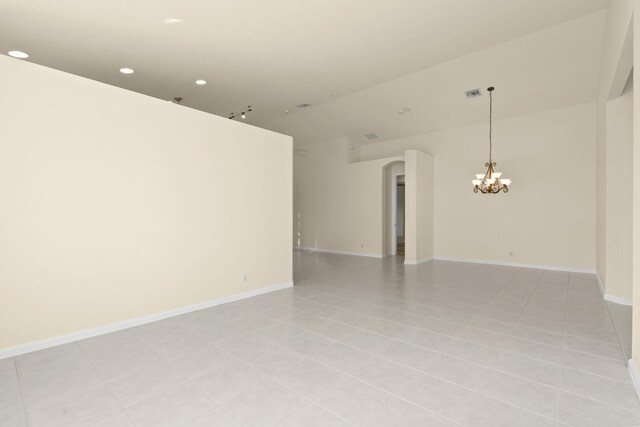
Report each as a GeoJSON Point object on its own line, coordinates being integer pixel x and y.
{"type": "Point", "coordinates": [473, 93]}
{"type": "Point", "coordinates": [371, 136]}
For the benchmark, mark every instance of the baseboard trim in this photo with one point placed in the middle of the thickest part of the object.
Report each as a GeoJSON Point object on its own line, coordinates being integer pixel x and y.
{"type": "Point", "coordinates": [618, 300]}
{"type": "Point", "coordinates": [612, 298]}
{"type": "Point", "coordinates": [514, 264]}
{"type": "Point", "coordinates": [329, 251]}
{"type": "Point", "coordinates": [420, 261]}
{"type": "Point", "coordinates": [89, 333]}
{"type": "Point", "coordinates": [635, 376]}
{"type": "Point", "coordinates": [602, 292]}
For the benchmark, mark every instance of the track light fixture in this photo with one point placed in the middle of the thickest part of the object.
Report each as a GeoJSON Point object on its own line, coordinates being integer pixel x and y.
{"type": "Point", "coordinates": [241, 114]}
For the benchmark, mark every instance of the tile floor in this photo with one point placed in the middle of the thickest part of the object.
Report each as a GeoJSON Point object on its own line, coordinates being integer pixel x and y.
{"type": "Point", "coordinates": [358, 341]}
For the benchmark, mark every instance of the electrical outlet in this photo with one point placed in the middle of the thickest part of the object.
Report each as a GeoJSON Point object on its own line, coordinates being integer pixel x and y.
{"type": "Point", "coordinates": [245, 278]}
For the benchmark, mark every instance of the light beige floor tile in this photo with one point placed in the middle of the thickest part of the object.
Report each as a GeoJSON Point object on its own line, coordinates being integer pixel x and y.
{"type": "Point", "coordinates": [108, 346]}
{"type": "Point", "coordinates": [59, 387]}
{"type": "Point", "coordinates": [354, 401]}
{"type": "Point", "coordinates": [12, 412]}
{"type": "Point", "coordinates": [49, 354]}
{"type": "Point", "coordinates": [119, 420]}
{"type": "Point", "coordinates": [310, 379]}
{"type": "Point", "coordinates": [596, 347]}
{"type": "Point", "coordinates": [311, 415]}
{"type": "Point", "coordinates": [579, 411]}
{"type": "Point", "coordinates": [402, 414]}
{"type": "Point", "coordinates": [7, 364]}
{"type": "Point", "coordinates": [84, 409]}
{"type": "Point", "coordinates": [531, 369]}
{"type": "Point", "coordinates": [606, 367]}
{"type": "Point", "coordinates": [446, 399]}
{"type": "Point", "coordinates": [615, 392]}
{"type": "Point", "coordinates": [214, 418]}
{"type": "Point", "coordinates": [525, 394]}
{"type": "Point", "coordinates": [8, 381]}
{"type": "Point", "coordinates": [135, 388]}
{"type": "Point", "coordinates": [50, 368]}
{"type": "Point", "coordinates": [174, 408]}
{"type": "Point", "coordinates": [198, 363]}
{"type": "Point", "coordinates": [228, 381]}
{"type": "Point", "coordinates": [266, 405]}
{"type": "Point", "coordinates": [127, 365]}
{"type": "Point", "coordinates": [489, 412]}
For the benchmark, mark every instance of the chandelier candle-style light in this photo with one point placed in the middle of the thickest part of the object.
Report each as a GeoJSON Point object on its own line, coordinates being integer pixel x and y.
{"type": "Point", "coordinates": [490, 182]}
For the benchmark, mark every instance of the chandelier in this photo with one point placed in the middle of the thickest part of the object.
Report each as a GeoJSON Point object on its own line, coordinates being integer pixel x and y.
{"type": "Point", "coordinates": [490, 182]}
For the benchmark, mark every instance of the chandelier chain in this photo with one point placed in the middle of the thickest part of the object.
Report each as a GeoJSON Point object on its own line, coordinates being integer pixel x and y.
{"type": "Point", "coordinates": [490, 122]}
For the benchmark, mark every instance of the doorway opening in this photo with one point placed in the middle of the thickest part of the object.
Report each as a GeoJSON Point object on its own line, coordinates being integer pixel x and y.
{"type": "Point", "coordinates": [399, 215]}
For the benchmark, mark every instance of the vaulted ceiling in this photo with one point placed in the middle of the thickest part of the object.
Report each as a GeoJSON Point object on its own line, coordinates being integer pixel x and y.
{"type": "Point", "coordinates": [357, 62]}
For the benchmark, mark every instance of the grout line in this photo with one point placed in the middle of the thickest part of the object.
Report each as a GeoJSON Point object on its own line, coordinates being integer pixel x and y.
{"type": "Point", "coordinates": [20, 390]}
{"type": "Point", "coordinates": [376, 356]}
{"type": "Point", "coordinates": [221, 406]}
{"type": "Point", "coordinates": [475, 363]}
{"type": "Point", "coordinates": [615, 330]}
{"type": "Point", "coordinates": [564, 329]}
{"type": "Point", "coordinates": [484, 328]}
{"type": "Point", "coordinates": [104, 383]}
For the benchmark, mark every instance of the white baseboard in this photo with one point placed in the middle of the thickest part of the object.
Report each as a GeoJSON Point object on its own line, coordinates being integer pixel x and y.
{"type": "Point", "coordinates": [600, 285]}
{"type": "Point", "coordinates": [612, 298]}
{"type": "Point", "coordinates": [329, 251]}
{"type": "Point", "coordinates": [514, 264]}
{"type": "Point", "coordinates": [88, 333]}
{"type": "Point", "coordinates": [618, 300]}
{"type": "Point", "coordinates": [420, 261]}
{"type": "Point", "coordinates": [635, 377]}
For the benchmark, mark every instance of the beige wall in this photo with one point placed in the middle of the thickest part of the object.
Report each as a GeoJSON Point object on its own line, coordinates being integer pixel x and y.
{"type": "Point", "coordinates": [419, 207]}
{"type": "Point", "coordinates": [116, 205]}
{"type": "Point", "coordinates": [618, 196]}
{"type": "Point", "coordinates": [548, 218]}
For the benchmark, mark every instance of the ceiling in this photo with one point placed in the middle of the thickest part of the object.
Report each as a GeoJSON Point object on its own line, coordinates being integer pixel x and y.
{"type": "Point", "coordinates": [355, 59]}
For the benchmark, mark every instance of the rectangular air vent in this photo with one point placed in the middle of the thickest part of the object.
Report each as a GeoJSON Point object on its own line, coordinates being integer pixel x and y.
{"type": "Point", "coordinates": [371, 136]}
{"type": "Point", "coordinates": [473, 93]}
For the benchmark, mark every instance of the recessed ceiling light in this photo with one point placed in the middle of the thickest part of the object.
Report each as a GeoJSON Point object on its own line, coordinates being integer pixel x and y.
{"type": "Point", "coordinates": [126, 70]}
{"type": "Point", "coordinates": [18, 54]}
{"type": "Point", "coordinates": [170, 21]}
{"type": "Point", "coordinates": [201, 82]}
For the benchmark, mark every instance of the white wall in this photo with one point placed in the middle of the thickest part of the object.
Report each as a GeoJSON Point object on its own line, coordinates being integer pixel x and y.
{"type": "Point", "coordinates": [116, 205]}
{"type": "Point", "coordinates": [617, 60]}
{"type": "Point", "coordinates": [618, 196]}
{"type": "Point", "coordinates": [548, 217]}
{"type": "Point", "coordinates": [420, 208]}
{"type": "Point", "coordinates": [339, 206]}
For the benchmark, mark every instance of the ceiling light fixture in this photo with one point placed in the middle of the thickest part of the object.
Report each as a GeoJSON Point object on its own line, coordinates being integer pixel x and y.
{"type": "Point", "coordinates": [490, 182]}
{"type": "Point", "coordinates": [201, 82]}
{"type": "Point", "coordinates": [18, 54]}
{"type": "Point", "coordinates": [242, 114]}
{"type": "Point", "coordinates": [126, 70]}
